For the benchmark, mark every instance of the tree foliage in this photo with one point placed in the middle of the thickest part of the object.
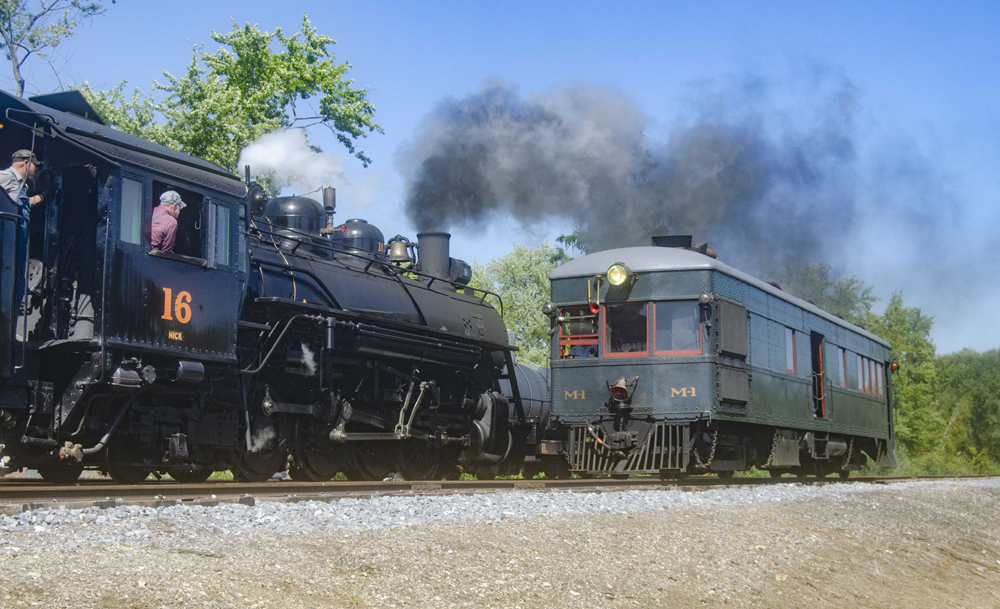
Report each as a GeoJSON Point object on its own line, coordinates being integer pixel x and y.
{"type": "Point", "coordinates": [846, 297]}
{"type": "Point", "coordinates": [521, 278]}
{"type": "Point", "coordinates": [33, 29]}
{"type": "Point", "coordinates": [255, 83]}
{"type": "Point", "coordinates": [919, 422]}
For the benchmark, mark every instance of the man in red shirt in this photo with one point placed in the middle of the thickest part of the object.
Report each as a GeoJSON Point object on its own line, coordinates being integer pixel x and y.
{"type": "Point", "coordinates": [164, 229]}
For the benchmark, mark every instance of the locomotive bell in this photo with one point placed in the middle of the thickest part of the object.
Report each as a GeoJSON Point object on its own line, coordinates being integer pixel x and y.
{"type": "Point", "coordinates": [398, 253]}
{"type": "Point", "coordinates": [619, 390]}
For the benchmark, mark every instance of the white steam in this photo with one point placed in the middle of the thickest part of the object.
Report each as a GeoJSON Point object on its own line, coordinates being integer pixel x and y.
{"type": "Point", "coordinates": [309, 359]}
{"type": "Point", "coordinates": [261, 441]}
{"type": "Point", "coordinates": [286, 158]}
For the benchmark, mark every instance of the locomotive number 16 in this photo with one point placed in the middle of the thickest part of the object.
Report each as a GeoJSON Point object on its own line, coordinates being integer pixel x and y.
{"type": "Point", "coordinates": [179, 307]}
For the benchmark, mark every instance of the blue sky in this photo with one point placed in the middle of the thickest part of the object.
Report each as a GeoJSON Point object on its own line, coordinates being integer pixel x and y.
{"type": "Point", "coordinates": [927, 77]}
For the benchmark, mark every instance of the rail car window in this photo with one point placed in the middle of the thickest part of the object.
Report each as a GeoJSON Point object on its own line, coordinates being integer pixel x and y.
{"type": "Point", "coordinates": [879, 381]}
{"type": "Point", "coordinates": [842, 362]}
{"type": "Point", "coordinates": [577, 333]}
{"type": "Point", "coordinates": [861, 376]}
{"type": "Point", "coordinates": [790, 350]}
{"type": "Point", "coordinates": [131, 216]}
{"type": "Point", "coordinates": [678, 328]}
{"type": "Point", "coordinates": [625, 330]}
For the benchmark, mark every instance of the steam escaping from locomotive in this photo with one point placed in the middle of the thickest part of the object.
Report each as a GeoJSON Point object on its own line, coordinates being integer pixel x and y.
{"type": "Point", "coordinates": [582, 153]}
{"type": "Point", "coordinates": [286, 159]}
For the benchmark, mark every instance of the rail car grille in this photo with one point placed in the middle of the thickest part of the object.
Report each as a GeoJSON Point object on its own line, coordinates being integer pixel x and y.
{"type": "Point", "coordinates": [665, 448]}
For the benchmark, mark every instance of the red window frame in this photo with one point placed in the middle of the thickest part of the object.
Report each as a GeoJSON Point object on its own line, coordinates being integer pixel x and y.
{"type": "Point", "coordinates": [651, 330]}
{"type": "Point", "coordinates": [604, 333]}
{"type": "Point", "coordinates": [576, 339]}
{"type": "Point", "coordinates": [794, 363]}
{"type": "Point", "coordinates": [871, 377]}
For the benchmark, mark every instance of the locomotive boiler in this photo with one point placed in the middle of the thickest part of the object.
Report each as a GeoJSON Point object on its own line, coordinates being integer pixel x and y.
{"type": "Point", "coordinates": [270, 338]}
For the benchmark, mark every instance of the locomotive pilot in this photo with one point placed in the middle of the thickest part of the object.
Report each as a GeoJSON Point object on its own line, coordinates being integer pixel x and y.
{"type": "Point", "coordinates": [14, 180]}
{"type": "Point", "coordinates": [164, 225]}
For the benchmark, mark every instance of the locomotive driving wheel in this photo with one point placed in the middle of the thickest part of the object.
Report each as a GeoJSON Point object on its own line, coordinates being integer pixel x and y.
{"type": "Point", "coordinates": [61, 473]}
{"type": "Point", "coordinates": [267, 455]}
{"type": "Point", "coordinates": [128, 474]}
{"type": "Point", "coordinates": [418, 460]}
{"type": "Point", "coordinates": [316, 457]}
{"type": "Point", "coordinates": [191, 476]}
{"type": "Point", "coordinates": [371, 460]}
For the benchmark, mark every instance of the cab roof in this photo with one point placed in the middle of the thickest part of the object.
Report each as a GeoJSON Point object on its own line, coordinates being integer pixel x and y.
{"type": "Point", "coordinates": [651, 259]}
{"type": "Point", "coordinates": [74, 119]}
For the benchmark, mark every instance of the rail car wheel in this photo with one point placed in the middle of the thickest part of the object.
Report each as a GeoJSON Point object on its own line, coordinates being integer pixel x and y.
{"type": "Point", "coordinates": [418, 461]}
{"type": "Point", "coordinates": [191, 476]}
{"type": "Point", "coordinates": [63, 473]}
{"type": "Point", "coordinates": [775, 473]}
{"type": "Point", "coordinates": [128, 474]}
{"type": "Point", "coordinates": [725, 474]}
{"type": "Point", "coordinates": [371, 460]}
{"type": "Point", "coordinates": [844, 474]}
{"type": "Point", "coordinates": [315, 457]}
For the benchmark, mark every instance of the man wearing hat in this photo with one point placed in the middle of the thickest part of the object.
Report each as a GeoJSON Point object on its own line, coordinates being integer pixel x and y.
{"type": "Point", "coordinates": [14, 180]}
{"type": "Point", "coordinates": [164, 225]}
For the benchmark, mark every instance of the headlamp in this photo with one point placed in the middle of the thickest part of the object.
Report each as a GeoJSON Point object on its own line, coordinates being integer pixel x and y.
{"type": "Point", "coordinates": [618, 273]}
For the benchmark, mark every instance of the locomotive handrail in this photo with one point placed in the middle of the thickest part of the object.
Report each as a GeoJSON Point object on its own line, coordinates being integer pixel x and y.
{"type": "Point", "coordinates": [301, 237]}
{"type": "Point", "coordinates": [361, 318]}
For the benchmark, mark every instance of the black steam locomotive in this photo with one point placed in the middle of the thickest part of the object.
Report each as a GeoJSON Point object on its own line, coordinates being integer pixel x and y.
{"type": "Point", "coordinates": [267, 339]}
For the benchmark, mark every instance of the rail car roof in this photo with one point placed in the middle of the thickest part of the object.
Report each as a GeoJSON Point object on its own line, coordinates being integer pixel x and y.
{"type": "Point", "coordinates": [92, 133]}
{"type": "Point", "coordinates": [653, 259]}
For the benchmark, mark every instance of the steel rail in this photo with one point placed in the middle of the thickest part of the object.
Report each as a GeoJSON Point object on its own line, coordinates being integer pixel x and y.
{"type": "Point", "coordinates": [23, 494]}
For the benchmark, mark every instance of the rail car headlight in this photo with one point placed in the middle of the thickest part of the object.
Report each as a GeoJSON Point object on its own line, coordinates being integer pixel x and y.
{"type": "Point", "coordinates": [618, 273]}
{"type": "Point", "coordinates": [704, 298]}
{"type": "Point", "coordinates": [619, 390]}
{"type": "Point", "coordinates": [549, 308]}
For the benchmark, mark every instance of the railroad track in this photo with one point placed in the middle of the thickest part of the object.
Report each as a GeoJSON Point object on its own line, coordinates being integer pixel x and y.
{"type": "Point", "coordinates": [17, 495]}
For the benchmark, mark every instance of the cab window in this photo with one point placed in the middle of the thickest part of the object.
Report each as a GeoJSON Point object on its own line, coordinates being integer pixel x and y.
{"type": "Point", "coordinates": [189, 238]}
{"type": "Point", "coordinates": [625, 330]}
{"type": "Point", "coordinates": [678, 328]}
{"type": "Point", "coordinates": [219, 216]}
{"type": "Point", "coordinates": [131, 216]}
{"type": "Point", "coordinates": [577, 333]}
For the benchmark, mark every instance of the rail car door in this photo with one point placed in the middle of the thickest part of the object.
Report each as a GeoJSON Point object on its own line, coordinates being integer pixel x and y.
{"type": "Point", "coordinates": [816, 343]}
{"type": "Point", "coordinates": [184, 302]}
{"type": "Point", "coordinates": [732, 373]}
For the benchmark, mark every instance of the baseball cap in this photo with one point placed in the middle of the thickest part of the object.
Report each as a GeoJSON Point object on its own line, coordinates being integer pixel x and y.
{"type": "Point", "coordinates": [24, 155]}
{"type": "Point", "coordinates": [170, 197]}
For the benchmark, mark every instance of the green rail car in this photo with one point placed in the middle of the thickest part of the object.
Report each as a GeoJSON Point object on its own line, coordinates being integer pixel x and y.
{"type": "Point", "coordinates": [667, 361]}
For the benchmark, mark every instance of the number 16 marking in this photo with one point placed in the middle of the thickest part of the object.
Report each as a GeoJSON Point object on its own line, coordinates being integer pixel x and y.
{"type": "Point", "coordinates": [181, 306]}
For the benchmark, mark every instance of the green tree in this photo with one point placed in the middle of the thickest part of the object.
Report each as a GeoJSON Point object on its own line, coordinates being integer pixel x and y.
{"type": "Point", "coordinates": [969, 394]}
{"type": "Point", "coordinates": [256, 82]}
{"type": "Point", "coordinates": [521, 278]}
{"type": "Point", "coordinates": [30, 29]}
{"type": "Point", "coordinates": [919, 422]}
{"type": "Point", "coordinates": [847, 297]}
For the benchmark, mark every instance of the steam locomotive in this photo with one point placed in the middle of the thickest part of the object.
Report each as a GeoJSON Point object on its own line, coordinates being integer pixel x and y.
{"type": "Point", "coordinates": [268, 339]}
{"type": "Point", "coordinates": [666, 361]}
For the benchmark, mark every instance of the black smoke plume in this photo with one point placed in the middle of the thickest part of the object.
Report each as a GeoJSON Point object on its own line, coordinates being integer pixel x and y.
{"type": "Point", "coordinates": [761, 194]}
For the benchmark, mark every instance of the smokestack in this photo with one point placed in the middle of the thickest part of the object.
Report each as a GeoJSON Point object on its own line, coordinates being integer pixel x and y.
{"type": "Point", "coordinates": [330, 199]}
{"type": "Point", "coordinates": [434, 254]}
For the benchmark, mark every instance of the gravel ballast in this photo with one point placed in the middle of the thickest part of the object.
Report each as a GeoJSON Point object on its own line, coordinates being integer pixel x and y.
{"type": "Point", "coordinates": [904, 544]}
